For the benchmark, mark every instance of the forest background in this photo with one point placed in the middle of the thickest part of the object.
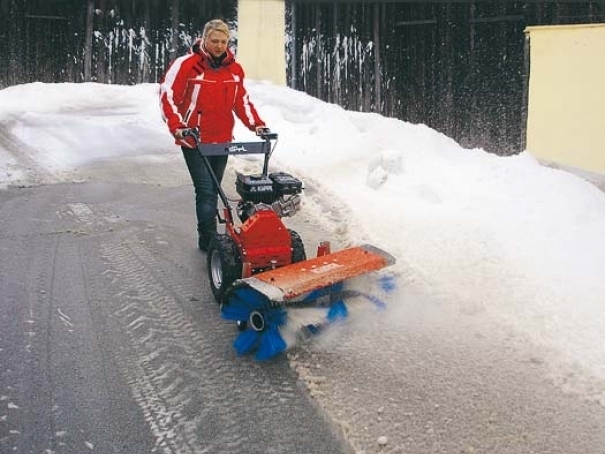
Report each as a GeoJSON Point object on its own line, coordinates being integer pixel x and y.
{"type": "Point", "coordinates": [458, 67]}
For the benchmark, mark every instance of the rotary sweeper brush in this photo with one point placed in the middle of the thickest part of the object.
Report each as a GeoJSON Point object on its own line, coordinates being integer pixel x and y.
{"type": "Point", "coordinates": [258, 268]}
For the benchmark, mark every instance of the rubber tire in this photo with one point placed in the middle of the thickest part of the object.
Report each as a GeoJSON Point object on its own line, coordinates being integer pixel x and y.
{"type": "Point", "coordinates": [298, 247]}
{"type": "Point", "coordinates": [224, 264]}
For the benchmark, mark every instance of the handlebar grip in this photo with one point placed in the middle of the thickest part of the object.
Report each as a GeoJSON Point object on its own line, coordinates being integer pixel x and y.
{"type": "Point", "coordinates": [192, 132]}
{"type": "Point", "coordinates": [189, 132]}
{"type": "Point", "coordinates": [266, 134]}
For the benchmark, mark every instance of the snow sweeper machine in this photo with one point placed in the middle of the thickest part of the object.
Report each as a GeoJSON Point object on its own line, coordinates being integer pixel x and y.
{"type": "Point", "coordinates": [258, 267]}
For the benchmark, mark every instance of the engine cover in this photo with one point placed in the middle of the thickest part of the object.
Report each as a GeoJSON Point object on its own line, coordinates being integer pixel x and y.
{"type": "Point", "coordinates": [255, 188]}
{"type": "Point", "coordinates": [260, 189]}
{"type": "Point", "coordinates": [285, 184]}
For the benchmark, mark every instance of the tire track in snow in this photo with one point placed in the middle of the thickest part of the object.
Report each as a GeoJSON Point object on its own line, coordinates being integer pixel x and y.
{"type": "Point", "coordinates": [156, 338]}
{"type": "Point", "coordinates": [175, 353]}
{"type": "Point", "coordinates": [191, 395]}
{"type": "Point", "coordinates": [161, 342]}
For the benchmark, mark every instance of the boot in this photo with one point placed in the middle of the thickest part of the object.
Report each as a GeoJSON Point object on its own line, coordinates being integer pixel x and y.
{"type": "Point", "coordinates": [205, 232]}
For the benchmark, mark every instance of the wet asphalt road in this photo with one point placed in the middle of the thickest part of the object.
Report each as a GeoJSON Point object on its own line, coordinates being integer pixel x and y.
{"type": "Point", "coordinates": [110, 341]}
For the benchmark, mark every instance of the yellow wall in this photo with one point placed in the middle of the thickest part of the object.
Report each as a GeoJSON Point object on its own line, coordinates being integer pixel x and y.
{"type": "Point", "coordinates": [566, 104]}
{"type": "Point", "coordinates": [261, 39]}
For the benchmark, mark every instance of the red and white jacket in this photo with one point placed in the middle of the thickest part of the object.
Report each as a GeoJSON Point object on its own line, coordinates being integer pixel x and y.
{"type": "Point", "coordinates": [196, 92]}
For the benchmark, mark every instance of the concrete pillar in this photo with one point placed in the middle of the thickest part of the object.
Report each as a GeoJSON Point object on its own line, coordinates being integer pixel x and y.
{"type": "Point", "coordinates": [566, 107]}
{"type": "Point", "coordinates": [261, 39]}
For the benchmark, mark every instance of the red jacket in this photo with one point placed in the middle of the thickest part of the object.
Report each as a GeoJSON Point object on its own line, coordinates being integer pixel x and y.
{"type": "Point", "coordinates": [196, 91]}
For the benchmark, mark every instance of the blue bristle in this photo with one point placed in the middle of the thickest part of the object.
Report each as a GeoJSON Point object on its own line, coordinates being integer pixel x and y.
{"type": "Point", "coordinates": [313, 329]}
{"type": "Point", "coordinates": [377, 301]}
{"type": "Point", "coordinates": [325, 291]}
{"type": "Point", "coordinates": [241, 302]}
{"type": "Point", "coordinates": [275, 316]}
{"type": "Point", "coordinates": [271, 343]}
{"type": "Point", "coordinates": [387, 283]}
{"type": "Point", "coordinates": [246, 341]}
{"type": "Point", "coordinates": [315, 294]}
{"type": "Point", "coordinates": [337, 311]}
{"type": "Point", "coordinates": [268, 342]}
{"type": "Point", "coordinates": [233, 312]}
{"type": "Point", "coordinates": [248, 298]}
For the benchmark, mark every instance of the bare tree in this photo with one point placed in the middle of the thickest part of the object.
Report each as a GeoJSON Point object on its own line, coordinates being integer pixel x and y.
{"type": "Point", "coordinates": [88, 41]}
{"type": "Point", "coordinates": [174, 15]}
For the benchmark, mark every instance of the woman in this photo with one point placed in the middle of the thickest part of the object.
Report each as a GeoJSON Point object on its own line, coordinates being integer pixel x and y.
{"type": "Point", "coordinates": [203, 89]}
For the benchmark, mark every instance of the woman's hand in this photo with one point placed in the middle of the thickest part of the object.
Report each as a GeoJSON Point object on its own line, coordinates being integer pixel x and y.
{"type": "Point", "coordinates": [262, 130]}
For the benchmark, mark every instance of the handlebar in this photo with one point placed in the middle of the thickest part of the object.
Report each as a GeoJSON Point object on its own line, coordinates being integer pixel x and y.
{"type": "Point", "coordinates": [263, 133]}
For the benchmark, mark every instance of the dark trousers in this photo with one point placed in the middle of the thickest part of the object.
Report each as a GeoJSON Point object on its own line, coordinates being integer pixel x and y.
{"type": "Point", "coordinates": [206, 194]}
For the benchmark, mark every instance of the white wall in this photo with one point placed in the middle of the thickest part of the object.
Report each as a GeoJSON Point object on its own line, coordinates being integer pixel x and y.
{"type": "Point", "coordinates": [566, 104]}
{"type": "Point", "coordinates": [261, 39]}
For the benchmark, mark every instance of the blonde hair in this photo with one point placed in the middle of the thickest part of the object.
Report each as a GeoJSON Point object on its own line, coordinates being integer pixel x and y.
{"type": "Point", "coordinates": [216, 25]}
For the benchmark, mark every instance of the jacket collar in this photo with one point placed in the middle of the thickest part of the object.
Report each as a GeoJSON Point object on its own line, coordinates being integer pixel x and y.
{"type": "Point", "coordinates": [207, 60]}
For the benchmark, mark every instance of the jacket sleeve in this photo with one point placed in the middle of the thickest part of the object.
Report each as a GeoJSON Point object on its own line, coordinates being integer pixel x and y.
{"type": "Point", "coordinates": [243, 107]}
{"type": "Point", "coordinates": [172, 92]}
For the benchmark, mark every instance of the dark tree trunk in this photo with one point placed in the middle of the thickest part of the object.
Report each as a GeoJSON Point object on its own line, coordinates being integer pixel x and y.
{"type": "Point", "coordinates": [88, 41]}
{"type": "Point", "coordinates": [174, 27]}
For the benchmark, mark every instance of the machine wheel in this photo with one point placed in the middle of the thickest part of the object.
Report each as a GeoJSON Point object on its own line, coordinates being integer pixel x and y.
{"type": "Point", "coordinates": [298, 247]}
{"type": "Point", "coordinates": [224, 264]}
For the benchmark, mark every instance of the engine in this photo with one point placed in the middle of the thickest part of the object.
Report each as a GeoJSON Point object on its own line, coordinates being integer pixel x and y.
{"type": "Point", "coordinates": [277, 191]}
